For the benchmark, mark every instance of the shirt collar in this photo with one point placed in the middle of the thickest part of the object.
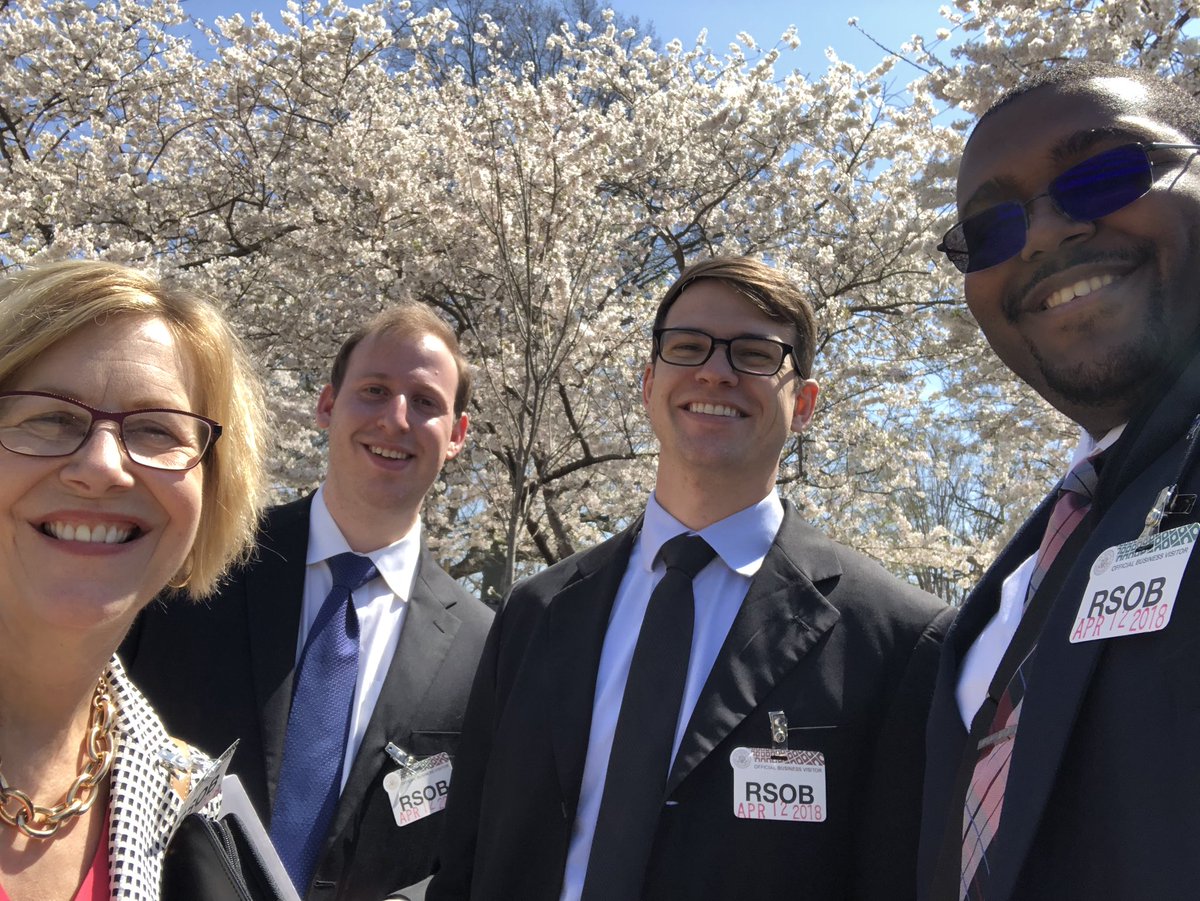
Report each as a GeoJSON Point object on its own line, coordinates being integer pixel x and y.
{"type": "Point", "coordinates": [1089, 446]}
{"type": "Point", "coordinates": [742, 540]}
{"type": "Point", "coordinates": [397, 562]}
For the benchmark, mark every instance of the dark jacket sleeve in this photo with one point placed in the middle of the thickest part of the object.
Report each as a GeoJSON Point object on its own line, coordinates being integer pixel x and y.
{"type": "Point", "coordinates": [889, 825]}
{"type": "Point", "coordinates": [452, 875]}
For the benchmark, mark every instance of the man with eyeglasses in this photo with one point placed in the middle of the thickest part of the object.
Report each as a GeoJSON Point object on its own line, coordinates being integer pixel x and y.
{"type": "Point", "coordinates": [341, 657]}
{"type": "Point", "coordinates": [1064, 735]}
{"type": "Point", "coordinates": [718, 702]}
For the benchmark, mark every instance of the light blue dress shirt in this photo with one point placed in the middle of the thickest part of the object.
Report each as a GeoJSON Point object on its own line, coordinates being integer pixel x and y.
{"type": "Point", "coordinates": [741, 542]}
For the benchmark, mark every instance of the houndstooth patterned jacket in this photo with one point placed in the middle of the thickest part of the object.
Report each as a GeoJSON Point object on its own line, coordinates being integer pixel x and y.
{"type": "Point", "coordinates": [155, 782]}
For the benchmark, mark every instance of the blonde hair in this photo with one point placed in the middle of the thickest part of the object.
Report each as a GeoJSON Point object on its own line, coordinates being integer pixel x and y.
{"type": "Point", "coordinates": [46, 304]}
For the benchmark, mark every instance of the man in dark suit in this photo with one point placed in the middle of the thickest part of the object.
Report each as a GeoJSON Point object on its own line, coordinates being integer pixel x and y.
{"type": "Point", "coordinates": [230, 670]}
{"type": "Point", "coordinates": [1064, 730]}
{"type": "Point", "coordinates": [789, 755]}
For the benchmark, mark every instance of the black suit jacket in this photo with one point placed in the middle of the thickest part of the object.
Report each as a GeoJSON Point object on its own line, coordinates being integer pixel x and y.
{"type": "Point", "coordinates": [1103, 793]}
{"type": "Point", "coordinates": [824, 634]}
{"type": "Point", "coordinates": [221, 671]}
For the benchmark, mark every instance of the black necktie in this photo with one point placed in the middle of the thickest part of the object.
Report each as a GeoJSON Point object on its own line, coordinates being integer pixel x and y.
{"type": "Point", "coordinates": [635, 784]}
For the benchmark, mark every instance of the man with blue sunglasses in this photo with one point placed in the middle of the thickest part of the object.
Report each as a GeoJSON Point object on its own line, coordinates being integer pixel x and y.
{"type": "Point", "coordinates": [1064, 738]}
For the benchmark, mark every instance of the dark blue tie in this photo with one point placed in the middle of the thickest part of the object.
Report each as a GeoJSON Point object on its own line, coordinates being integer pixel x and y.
{"type": "Point", "coordinates": [310, 777]}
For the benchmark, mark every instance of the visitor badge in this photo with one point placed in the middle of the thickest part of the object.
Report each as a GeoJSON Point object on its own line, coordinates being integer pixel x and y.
{"type": "Point", "coordinates": [1134, 586]}
{"type": "Point", "coordinates": [419, 789]}
{"type": "Point", "coordinates": [779, 785]}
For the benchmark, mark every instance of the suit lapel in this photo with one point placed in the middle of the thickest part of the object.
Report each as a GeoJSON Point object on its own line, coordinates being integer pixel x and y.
{"type": "Point", "coordinates": [274, 596]}
{"type": "Point", "coordinates": [149, 800]}
{"type": "Point", "coordinates": [946, 733]}
{"type": "Point", "coordinates": [577, 622]}
{"type": "Point", "coordinates": [782, 617]}
{"type": "Point", "coordinates": [1059, 678]}
{"type": "Point", "coordinates": [984, 600]}
{"type": "Point", "coordinates": [425, 640]}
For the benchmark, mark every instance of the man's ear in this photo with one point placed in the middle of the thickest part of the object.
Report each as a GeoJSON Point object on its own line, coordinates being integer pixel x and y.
{"type": "Point", "coordinates": [458, 437]}
{"type": "Point", "coordinates": [647, 384]}
{"type": "Point", "coordinates": [806, 405]}
{"type": "Point", "coordinates": [325, 406]}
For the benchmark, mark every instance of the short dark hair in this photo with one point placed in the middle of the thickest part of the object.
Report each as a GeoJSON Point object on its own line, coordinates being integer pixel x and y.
{"type": "Point", "coordinates": [1167, 101]}
{"type": "Point", "coordinates": [765, 287]}
{"type": "Point", "coordinates": [408, 320]}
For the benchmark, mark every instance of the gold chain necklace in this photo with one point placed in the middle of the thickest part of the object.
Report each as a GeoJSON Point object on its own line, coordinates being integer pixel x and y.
{"type": "Point", "coordinates": [17, 808]}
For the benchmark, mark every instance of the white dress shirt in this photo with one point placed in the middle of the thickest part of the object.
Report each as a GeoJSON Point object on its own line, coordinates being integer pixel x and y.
{"type": "Point", "coordinates": [381, 605]}
{"type": "Point", "coordinates": [741, 542]}
{"type": "Point", "coordinates": [983, 657]}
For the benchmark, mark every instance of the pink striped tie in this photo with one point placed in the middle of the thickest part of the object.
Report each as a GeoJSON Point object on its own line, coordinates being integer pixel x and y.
{"type": "Point", "coordinates": [984, 802]}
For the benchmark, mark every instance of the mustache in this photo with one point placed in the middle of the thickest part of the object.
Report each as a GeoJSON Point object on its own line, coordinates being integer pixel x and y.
{"type": "Point", "coordinates": [1131, 257]}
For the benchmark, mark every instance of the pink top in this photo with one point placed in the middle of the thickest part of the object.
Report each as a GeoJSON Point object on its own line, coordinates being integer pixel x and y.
{"type": "Point", "coordinates": [95, 880]}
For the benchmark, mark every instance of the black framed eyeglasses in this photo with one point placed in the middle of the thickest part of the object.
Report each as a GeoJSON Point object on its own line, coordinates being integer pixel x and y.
{"type": "Point", "coordinates": [692, 347]}
{"type": "Point", "coordinates": [37, 424]}
{"type": "Point", "coordinates": [1099, 185]}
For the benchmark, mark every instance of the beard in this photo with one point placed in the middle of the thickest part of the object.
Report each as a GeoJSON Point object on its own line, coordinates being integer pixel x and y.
{"type": "Point", "coordinates": [1122, 375]}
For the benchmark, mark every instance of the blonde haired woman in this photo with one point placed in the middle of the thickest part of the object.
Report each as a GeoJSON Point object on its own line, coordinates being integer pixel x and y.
{"type": "Point", "coordinates": [131, 445]}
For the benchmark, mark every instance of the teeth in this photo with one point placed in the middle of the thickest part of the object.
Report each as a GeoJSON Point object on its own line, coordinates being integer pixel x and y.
{"type": "Point", "coordinates": [714, 410]}
{"type": "Point", "coordinates": [390, 454]}
{"type": "Point", "coordinates": [1079, 289]}
{"type": "Point", "coordinates": [100, 533]}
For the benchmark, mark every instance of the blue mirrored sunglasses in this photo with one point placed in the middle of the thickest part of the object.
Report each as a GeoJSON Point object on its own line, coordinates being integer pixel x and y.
{"type": "Point", "coordinates": [1099, 185]}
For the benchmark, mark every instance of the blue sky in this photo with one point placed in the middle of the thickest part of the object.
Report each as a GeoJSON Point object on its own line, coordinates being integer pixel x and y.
{"type": "Point", "coordinates": [820, 24]}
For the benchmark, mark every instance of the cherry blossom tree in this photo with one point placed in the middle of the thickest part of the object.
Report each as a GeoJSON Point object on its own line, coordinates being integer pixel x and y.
{"type": "Point", "coordinates": [310, 174]}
